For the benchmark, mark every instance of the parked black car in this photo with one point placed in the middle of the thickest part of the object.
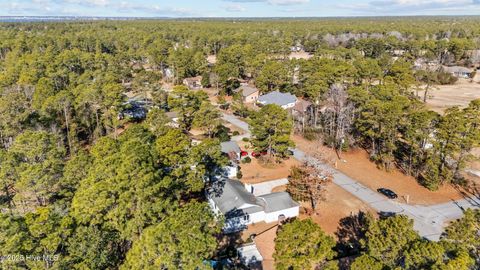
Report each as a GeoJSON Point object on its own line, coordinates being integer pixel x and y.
{"type": "Point", "coordinates": [387, 192]}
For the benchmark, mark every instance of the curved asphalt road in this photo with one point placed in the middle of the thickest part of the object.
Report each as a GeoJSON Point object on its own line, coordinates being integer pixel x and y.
{"type": "Point", "coordinates": [429, 221]}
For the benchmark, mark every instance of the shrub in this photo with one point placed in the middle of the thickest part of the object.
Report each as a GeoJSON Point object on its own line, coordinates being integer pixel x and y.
{"type": "Point", "coordinates": [246, 160]}
{"type": "Point", "coordinates": [310, 134]}
{"type": "Point", "coordinates": [236, 133]}
{"type": "Point", "coordinates": [245, 139]}
{"type": "Point", "coordinates": [445, 78]}
{"type": "Point", "coordinates": [239, 174]}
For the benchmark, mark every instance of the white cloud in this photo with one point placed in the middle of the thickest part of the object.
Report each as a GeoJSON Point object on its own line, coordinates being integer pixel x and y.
{"type": "Point", "coordinates": [406, 7]}
{"type": "Point", "coordinates": [234, 8]}
{"type": "Point", "coordinates": [98, 3]}
{"type": "Point", "coordinates": [287, 2]}
{"type": "Point", "coordinates": [273, 2]}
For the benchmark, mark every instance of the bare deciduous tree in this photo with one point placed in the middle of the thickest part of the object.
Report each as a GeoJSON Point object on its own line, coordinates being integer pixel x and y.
{"type": "Point", "coordinates": [308, 182]}
{"type": "Point", "coordinates": [338, 115]}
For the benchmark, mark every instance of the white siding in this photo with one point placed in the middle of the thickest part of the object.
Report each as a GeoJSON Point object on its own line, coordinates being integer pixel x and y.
{"type": "Point", "coordinates": [257, 217]}
{"type": "Point", "coordinates": [288, 106]}
{"type": "Point", "coordinates": [288, 213]}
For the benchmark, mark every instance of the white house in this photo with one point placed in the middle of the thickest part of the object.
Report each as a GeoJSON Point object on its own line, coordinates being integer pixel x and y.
{"type": "Point", "coordinates": [241, 208]}
{"type": "Point", "coordinates": [284, 100]}
{"type": "Point", "coordinates": [459, 72]}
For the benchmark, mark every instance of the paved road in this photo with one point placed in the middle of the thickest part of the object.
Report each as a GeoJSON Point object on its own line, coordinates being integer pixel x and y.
{"type": "Point", "coordinates": [429, 221]}
{"type": "Point", "coordinates": [266, 187]}
{"type": "Point", "coordinates": [239, 123]}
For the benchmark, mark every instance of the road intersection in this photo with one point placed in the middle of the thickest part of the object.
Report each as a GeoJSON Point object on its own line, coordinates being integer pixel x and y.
{"type": "Point", "coordinates": [429, 221]}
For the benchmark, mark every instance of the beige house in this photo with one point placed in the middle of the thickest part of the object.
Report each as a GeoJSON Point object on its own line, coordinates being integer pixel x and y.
{"type": "Point", "coordinates": [249, 94]}
{"type": "Point", "coordinates": [193, 82]}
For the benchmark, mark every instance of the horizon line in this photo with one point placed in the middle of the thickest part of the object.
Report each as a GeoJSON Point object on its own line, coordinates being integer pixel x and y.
{"type": "Point", "coordinates": [227, 17]}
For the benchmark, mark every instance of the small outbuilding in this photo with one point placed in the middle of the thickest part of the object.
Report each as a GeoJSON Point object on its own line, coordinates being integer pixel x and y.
{"type": "Point", "coordinates": [249, 256]}
{"type": "Point", "coordinates": [231, 149]}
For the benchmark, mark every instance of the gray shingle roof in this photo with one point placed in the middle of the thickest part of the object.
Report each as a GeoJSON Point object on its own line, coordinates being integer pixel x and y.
{"type": "Point", "coordinates": [277, 201]}
{"type": "Point", "coordinates": [246, 90]}
{"type": "Point", "coordinates": [231, 195]}
{"type": "Point", "coordinates": [457, 69]}
{"type": "Point", "coordinates": [228, 147]}
{"type": "Point", "coordinates": [233, 199]}
{"type": "Point", "coordinates": [275, 97]}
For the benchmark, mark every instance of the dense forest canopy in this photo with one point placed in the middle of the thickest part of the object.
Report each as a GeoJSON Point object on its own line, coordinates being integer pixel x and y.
{"type": "Point", "coordinates": [79, 179]}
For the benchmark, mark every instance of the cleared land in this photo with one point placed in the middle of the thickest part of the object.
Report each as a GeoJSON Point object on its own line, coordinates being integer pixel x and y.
{"type": "Point", "coordinates": [257, 171]}
{"type": "Point", "coordinates": [338, 204]}
{"type": "Point", "coordinates": [459, 94]}
{"type": "Point", "coordinates": [359, 167]}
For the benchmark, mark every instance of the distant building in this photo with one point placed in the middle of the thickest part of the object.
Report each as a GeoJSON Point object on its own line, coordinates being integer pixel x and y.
{"type": "Point", "coordinates": [173, 116]}
{"type": "Point", "coordinates": [193, 83]}
{"type": "Point", "coordinates": [135, 109]}
{"type": "Point", "coordinates": [296, 48]}
{"type": "Point", "coordinates": [249, 94]}
{"type": "Point", "coordinates": [426, 64]}
{"type": "Point", "coordinates": [241, 208]}
{"type": "Point", "coordinates": [459, 72]}
{"type": "Point", "coordinates": [284, 100]}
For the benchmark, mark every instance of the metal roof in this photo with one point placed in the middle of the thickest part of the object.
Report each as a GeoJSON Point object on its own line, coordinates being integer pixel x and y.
{"type": "Point", "coordinates": [275, 97]}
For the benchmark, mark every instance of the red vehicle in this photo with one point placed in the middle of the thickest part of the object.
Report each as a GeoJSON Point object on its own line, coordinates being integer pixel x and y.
{"type": "Point", "coordinates": [243, 153]}
{"type": "Point", "coordinates": [258, 154]}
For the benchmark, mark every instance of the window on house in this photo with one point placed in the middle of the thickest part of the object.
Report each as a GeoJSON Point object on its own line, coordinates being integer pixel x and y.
{"type": "Point", "coordinates": [246, 217]}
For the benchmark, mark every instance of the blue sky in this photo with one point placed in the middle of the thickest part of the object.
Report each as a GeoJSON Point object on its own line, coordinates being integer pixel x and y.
{"type": "Point", "coordinates": [237, 8]}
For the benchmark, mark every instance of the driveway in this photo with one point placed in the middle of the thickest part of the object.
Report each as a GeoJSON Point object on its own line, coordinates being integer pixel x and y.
{"type": "Point", "coordinates": [266, 187]}
{"type": "Point", "coordinates": [239, 123]}
{"type": "Point", "coordinates": [429, 221]}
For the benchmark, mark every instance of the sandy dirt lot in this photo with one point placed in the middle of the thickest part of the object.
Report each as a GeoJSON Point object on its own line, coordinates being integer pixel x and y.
{"type": "Point", "coordinates": [459, 94]}
{"type": "Point", "coordinates": [257, 171]}
{"type": "Point", "coordinates": [300, 55]}
{"type": "Point", "coordinates": [338, 204]}
{"type": "Point", "coordinates": [357, 164]}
